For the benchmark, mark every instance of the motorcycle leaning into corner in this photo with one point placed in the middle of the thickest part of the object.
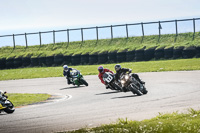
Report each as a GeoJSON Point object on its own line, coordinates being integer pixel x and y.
{"type": "Point", "coordinates": [109, 79]}
{"type": "Point", "coordinates": [5, 104]}
{"type": "Point", "coordinates": [77, 78]}
{"type": "Point", "coordinates": [131, 84]}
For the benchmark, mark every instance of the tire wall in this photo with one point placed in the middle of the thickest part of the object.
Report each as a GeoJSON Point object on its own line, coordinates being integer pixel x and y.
{"type": "Point", "coordinates": [121, 57]}
{"type": "Point", "coordinates": [2, 63]}
{"type": "Point", "coordinates": [130, 55]}
{"type": "Point", "coordinates": [58, 60]}
{"type": "Point", "coordinates": [49, 60]}
{"type": "Point", "coordinates": [85, 59]}
{"type": "Point", "coordinates": [102, 58]}
{"type": "Point", "coordinates": [93, 59]}
{"type": "Point", "coordinates": [26, 61]}
{"type": "Point", "coordinates": [17, 62]}
{"type": "Point", "coordinates": [139, 55]}
{"type": "Point", "coordinates": [76, 59]}
{"type": "Point", "coordinates": [112, 57]}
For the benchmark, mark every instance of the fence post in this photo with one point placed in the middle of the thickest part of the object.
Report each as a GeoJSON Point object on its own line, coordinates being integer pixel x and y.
{"type": "Point", "coordinates": [127, 31]}
{"type": "Point", "coordinates": [176, 27]}
{"type": "Point", "coordinates": [54, 37]}
{"type": "Point", "coordinates": [82, 34]}
{"type": "Point", "coordinates": [67, 37]}
{"type": "Point", "coordinates": [14, 40]}
{"type": "Point", "coordinates": [142, 29]}
{"type": "Point", "coordinates": [194, 28]}
{"type": "Point", "coordinates": [111, 32]}
{"type": "Point", "coordinates": [97, 33]}
{"type": "Point", "coordinates": [159, 28]}
{"type": "Point", "coordinates": [26, 40]}
{"type": "Point", "coordinates": [40, 39]}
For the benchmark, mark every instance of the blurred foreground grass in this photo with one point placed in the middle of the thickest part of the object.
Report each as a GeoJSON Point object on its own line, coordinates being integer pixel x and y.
{"type": "Point", "coordinates": [164, 123]}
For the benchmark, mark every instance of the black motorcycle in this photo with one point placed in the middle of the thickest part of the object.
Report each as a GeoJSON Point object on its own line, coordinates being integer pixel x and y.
{"type": "Point", "coordinates": [109, 79]}
{"type": "Point", "coordinates": [131, 84]}
{"type": "Point", "coordinates": [5, 104]}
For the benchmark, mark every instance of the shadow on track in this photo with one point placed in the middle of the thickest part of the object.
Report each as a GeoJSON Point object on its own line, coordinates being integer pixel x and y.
{"type": "Point", "coordinates": [108, 93]}
{"type": "Point", "coordinates": [72, 87]}
{"type": "Point", "coordinates": [124, 97]}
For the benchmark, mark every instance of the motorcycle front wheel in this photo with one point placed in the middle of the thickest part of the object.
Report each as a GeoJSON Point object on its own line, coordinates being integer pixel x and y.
{"type": "Point", "coordinates": [84, 82]}
{"type": "Point", "coordinates": [10, 109]}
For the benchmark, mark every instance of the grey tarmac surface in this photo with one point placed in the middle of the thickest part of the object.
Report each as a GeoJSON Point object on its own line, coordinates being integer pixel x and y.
{"type": "Point", "coordinates": [91, 106]}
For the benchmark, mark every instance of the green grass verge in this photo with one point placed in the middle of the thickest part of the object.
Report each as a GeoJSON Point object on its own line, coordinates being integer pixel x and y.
{"type": "Point", "coordinates": [146, 66]}
{"type": "Point", "coordinates": [26, 99]}
{"type": "Point", "coordinates": [164, 123]}
{"type": "Point", "coordinates": [100, 46]}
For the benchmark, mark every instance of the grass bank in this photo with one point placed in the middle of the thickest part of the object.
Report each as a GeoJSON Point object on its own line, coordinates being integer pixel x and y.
{"type": "Point", "coordinates": [26, 99]}
{"type": "Point", "coordinates": [164, 123]}
{"type": "Point", "coordinates": [101, 46]}
{"type": "Point", "coordinates": [146, 66]}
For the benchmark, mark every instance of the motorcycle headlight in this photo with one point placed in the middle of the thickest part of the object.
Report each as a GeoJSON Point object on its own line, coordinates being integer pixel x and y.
{"type": "Point", "coordinates": [126, 77]}
{"type": "Point", "coordinates": [122, 81]}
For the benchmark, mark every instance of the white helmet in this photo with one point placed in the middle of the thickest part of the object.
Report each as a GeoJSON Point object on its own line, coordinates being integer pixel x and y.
{"type": "Point", "coordinates": [65, 67]}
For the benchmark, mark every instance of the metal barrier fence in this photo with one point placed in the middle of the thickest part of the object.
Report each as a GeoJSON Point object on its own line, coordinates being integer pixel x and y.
{"type": "Point", "coordinates": [124, 30]}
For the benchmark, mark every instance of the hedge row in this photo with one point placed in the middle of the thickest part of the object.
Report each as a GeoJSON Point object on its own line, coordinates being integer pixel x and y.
{"type": "Point", "coordinates": [115, 57]}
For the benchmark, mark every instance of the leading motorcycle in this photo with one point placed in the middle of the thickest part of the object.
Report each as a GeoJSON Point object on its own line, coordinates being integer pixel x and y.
{"type": "Point", "coordinates": [5, 104]}
{"type": "Point", "coordinates": [132, 84]}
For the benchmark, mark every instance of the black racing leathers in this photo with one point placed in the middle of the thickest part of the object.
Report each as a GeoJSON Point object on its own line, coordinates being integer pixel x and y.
{"type": "Point", "coordinates": [125, 70]}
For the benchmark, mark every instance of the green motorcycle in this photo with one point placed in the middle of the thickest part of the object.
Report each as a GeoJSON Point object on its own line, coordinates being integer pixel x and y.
{"type": "Point", "coordinates": [77, 78]}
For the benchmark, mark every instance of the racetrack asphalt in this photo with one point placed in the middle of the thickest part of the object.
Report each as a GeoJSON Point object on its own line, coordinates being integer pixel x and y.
{"type": "Point", "coordinates": [77, 107]}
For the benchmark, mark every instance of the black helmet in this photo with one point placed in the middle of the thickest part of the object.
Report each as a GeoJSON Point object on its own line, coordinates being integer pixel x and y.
{"type": "Point", "coordinates": [117, 67]}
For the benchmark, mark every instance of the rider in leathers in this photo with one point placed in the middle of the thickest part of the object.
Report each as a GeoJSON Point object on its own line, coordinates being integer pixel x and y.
{"type": "Point", "coordinates": [66, 72]}
{"type": "Point", "coordinates": [101, 72]}
{"type": "Point", "coordinates": [120, 70]}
